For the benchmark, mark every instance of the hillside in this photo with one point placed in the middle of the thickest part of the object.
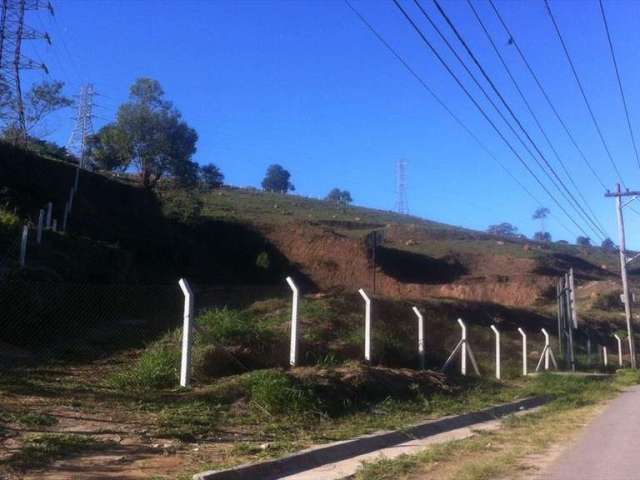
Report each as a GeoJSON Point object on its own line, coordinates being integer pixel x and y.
{"type": "Point", "coordinates": [246, 236]}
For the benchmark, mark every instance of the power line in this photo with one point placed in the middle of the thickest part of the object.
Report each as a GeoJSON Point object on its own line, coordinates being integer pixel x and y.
{"type": "Point", "coordinates": [512, 41]}
{"type": "Point", "coordinates": [565, 192]}
{"type": "Point", "coordinates": [533, 114]}
{"type": "Point", "coordinates": [442, 104]}
{"type": "Point", "coordinates": [584, 95]}
{"type": "Point", "coordinates": [624, 100]}
{"type": "Point", "coordinates": [485, 115]}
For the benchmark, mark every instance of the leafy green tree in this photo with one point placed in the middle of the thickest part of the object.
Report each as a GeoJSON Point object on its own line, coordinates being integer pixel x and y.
{"type": "Point", "coordinates": [608, 244]}
{"type": "Point", "coordinates": [39, 102]}
{"type": "Point", "coordinates": [542, 236]}
{"type": "Point", "coordinates": [150, 136]}
{"type": "Point", "coordinates": [277, 179]}
{"type": "Point", "coordinates": [541, 214]}
{"type": "Point", "coordinates": [108, 149]}
{"type": "Point", "coordinates": [503, 229]}
{"type": "Point", "coordinates": [341, 198]}
{"type": "Point", "coordinates": [210, 176]}
{"type": "Point", "coordinates": [583, 241]}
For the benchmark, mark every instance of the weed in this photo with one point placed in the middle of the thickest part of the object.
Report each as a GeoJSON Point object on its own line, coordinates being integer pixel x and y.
{"type": "Point", "coordinates": [41, 450]}
{"type": "Point", "coordinates": [275, 392]}
{"type": "Point", "coordinates": [156, 368]}
{"type": "Point", "coordinates": [189, 421]}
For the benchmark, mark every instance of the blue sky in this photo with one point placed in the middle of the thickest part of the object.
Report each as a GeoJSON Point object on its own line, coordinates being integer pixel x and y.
{"type": "Point", "coordinates": [306, 85]}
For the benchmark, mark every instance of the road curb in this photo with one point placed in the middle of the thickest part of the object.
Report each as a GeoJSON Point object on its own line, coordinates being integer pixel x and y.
{"type": "Point", "coordinates": [315, 457]}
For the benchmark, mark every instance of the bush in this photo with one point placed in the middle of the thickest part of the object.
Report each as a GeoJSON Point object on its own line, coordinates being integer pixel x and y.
{"type": "Point", "coordinates": [276, 392]}
{"type": "Point", "coordinates": [181, 205]}
{"type": "Point", "coordinates": [156, 368]}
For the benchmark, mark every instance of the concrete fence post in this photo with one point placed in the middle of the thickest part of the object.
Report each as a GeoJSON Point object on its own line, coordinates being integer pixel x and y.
{"type": "Point", "coordinates": [546, 348]}
{"type": "Point", "coordinates": [54, 225]}
{"type": "Point", "coordinates": [71, 194]}
{"type": "Point", "coordinates": [524, 352]}
{"type": "Point", "coordinates": [293, 350]}
{"type": "Point", "coordinates": [619, 340]}
{"type": "Point", "coordinates": [40, 226]}
{"type": "Point", "coordinates": [49, 213]}
{"type": "Point", "coordinates": [187, 333]}
{"type": "Point", "coordinates": [420, 336]}
{"type": "Point", "coordinates": [497, 334]}
{"type": "Point", "coordinates": [65, 217]}
{"type": "Point", "coordinates": [367, 325]}
{"type": "Point", "coordinates": [75, 181]}
{"type": "Point", "coordinates": [463, 347]}
{"type": "Point", "coordinates": [605, 359]}
{"type": "Point", "coordinates": [23, 245]}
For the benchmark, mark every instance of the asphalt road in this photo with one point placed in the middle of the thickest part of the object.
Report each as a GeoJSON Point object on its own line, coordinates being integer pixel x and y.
{"type": "Point", "coordinates": [608, 448]}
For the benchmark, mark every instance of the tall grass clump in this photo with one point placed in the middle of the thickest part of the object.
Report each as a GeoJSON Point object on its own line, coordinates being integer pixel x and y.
{"type": "Point", "coordinates": [276, 393]}
{"type": "Point", "coordinates": [232, 327]}
{"type": "Point", "coordinates": [157, 368]}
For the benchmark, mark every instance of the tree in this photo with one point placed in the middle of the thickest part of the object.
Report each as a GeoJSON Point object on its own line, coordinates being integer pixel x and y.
{"type": "Point", "coordinates": [583, 241]}
{"type": "Point", "coordinates": [210, 176]}
{"type": "Point", "coordinates": [540, 214]}
{"type": "Point", "coordinates": [608, 244]}
{"type": "Point", "coordinates": [277, 180]}
{"type": "Point", "coordinates": [503, 229]}
{"type": "Point", "coordinates": [150, 135]}
{"type": "Point", "coordinates": [542, 236]}
{"type": "Point", "coordinates": [40, 101]}
{"type": "Point", "coordinates": [341, 198]}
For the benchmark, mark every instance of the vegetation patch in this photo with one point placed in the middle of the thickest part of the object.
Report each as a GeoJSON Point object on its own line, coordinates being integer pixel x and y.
{"type": "Point", "coordinates": [157, 368]}
{"type": "Point", "coordinates": [41, 450]}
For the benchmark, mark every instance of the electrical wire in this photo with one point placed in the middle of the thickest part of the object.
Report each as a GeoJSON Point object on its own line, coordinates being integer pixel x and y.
{"type": "Point", "coordinates": [485, 115]}
{"type": "Point", "coordinates": [582, 91]}
{"type": "Point", "coordinates": [624, 100]}
{"type": "Point", "coordinates": [512, 41]}
{"type": "Point", "coordinates": [533, 114]}
{"type": "Point", "coordinates": [455, 117]}
{"type": "Point", "coordinates": [564, 191]}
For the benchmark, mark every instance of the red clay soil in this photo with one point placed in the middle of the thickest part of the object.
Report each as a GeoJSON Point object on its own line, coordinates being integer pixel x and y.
{"type": "Point", "coordinates": [332, 260]}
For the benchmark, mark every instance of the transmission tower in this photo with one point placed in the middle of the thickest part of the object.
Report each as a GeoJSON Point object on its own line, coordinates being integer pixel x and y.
{"type": "Point", "coordinates": [13, 31]}
{"type": "Point", "coordinates": [83, 125]}
{"type": "Point", "coordinates": [402, 205]}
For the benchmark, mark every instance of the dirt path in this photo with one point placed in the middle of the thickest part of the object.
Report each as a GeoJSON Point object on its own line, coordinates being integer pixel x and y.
{"type": "Point", "coordinates": [609, 447]}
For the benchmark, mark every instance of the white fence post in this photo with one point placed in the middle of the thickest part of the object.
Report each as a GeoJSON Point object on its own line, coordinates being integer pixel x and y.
{"type": "Point", "coordinates": [619, 340]}
{"type": "Point", "coordinates": [49, 213]}
{"type": "Point", "coordinates": [54, 225]}
{"type": "Point", "coordinates": [65, 217]}
{"type": "Point", "coordinates": [524, 352]}
{"type": "Point", "coordinates": [546, 348]}
{"type": "Point", "coordinates": [420, 336]}
{"type": "Point", "coordinates": [497, 333]}
{"type": "Point", "coordinates": [604, 356]}
{"type": "Point", "coordinates": [23, 245]}
{"type": "Point", "coordinates": [367, 325]}
{"type": "Point", "coordinates": [71, 194]}
{"type": "Point", "coordinates": [463, 347]}
{"type": "Point", "coordinates": [293, 351]}
{"type": "Point", "coordinates": [40, 226]}
{"type": "Point", "coordinates": [187, 331]}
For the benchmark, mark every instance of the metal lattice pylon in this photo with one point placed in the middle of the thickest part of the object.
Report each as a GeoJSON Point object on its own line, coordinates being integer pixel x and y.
{"type": "Point", "coordinates": [83, 125]}
{"type": "Point", "coordinates": [402, 204]}
{"type": "Point", "coordinates": [13, 31]}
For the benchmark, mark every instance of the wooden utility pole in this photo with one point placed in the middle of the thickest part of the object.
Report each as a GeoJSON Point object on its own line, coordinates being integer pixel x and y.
{"type": "Point", "coordinates": [618, 194]}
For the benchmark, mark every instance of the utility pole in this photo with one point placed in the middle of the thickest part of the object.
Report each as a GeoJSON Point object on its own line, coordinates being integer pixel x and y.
{"type": "Point", "coordinates": [618, 194]}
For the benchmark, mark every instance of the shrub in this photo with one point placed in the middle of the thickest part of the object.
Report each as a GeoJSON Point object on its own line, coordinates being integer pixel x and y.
{"type": "Point", "coordinates": [262, 261]}
{"type": "Point", "coordinates": [181, 205]}
{"type": "Point", "coordinates": [156, 368]}
{"type": "Point", "coordinates": [276, 392]}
